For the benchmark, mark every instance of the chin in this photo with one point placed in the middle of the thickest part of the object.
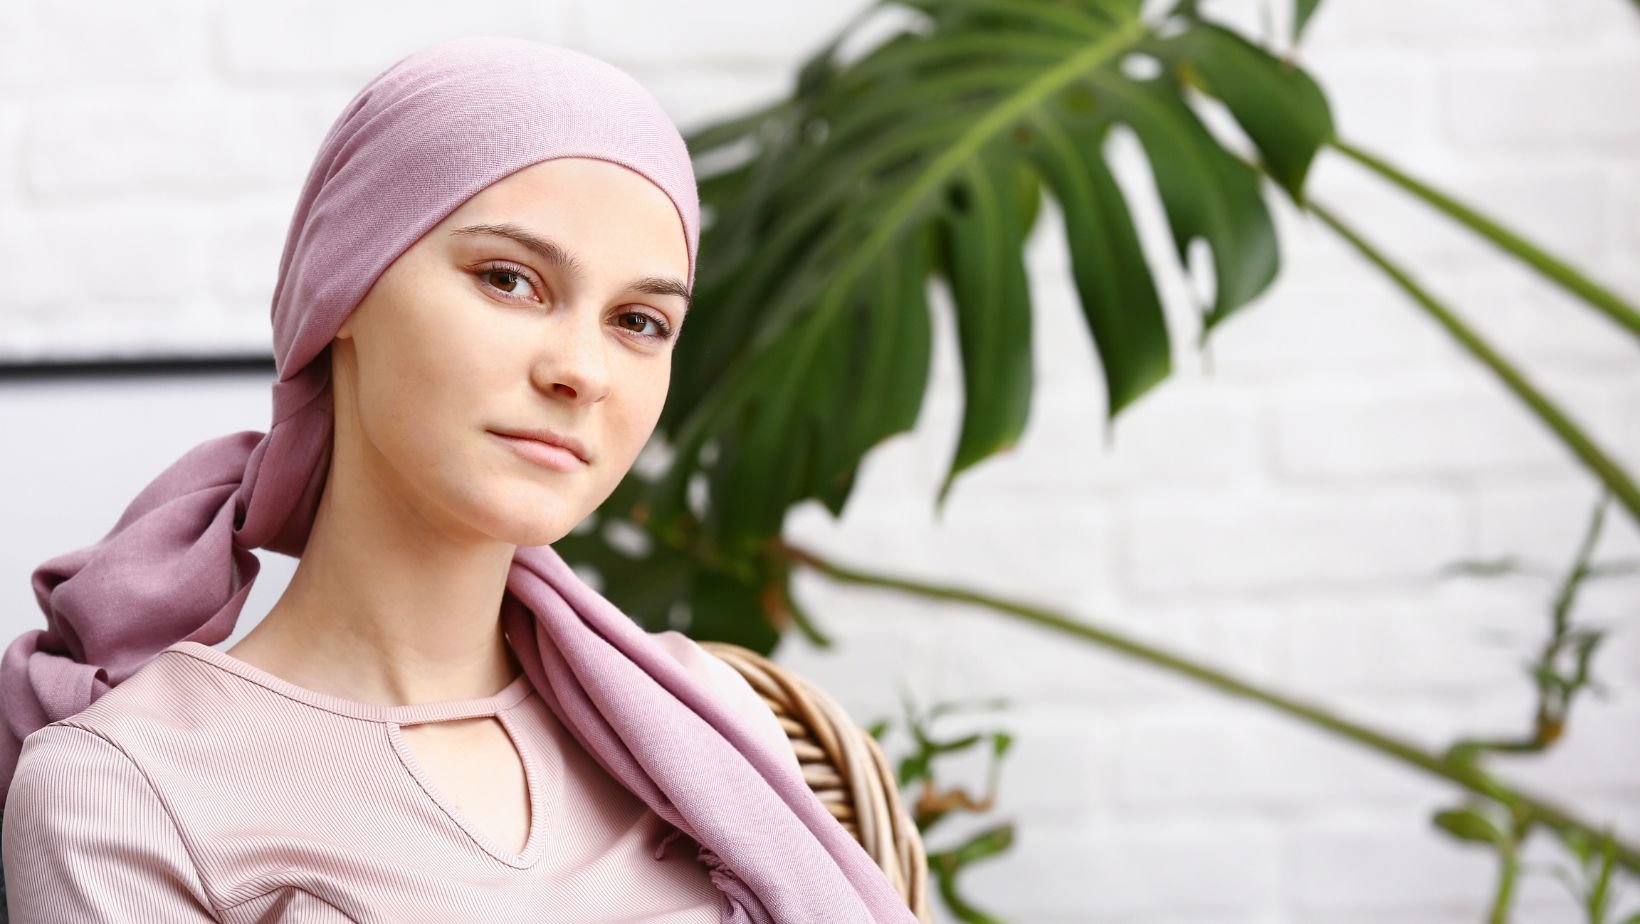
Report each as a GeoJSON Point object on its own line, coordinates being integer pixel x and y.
{"type": "Point", "coordinates": [515, 525]}
{"type": "Point", "coordinates": [540, 523]}
{"type": "Point", "coordinates": [537, 536]}
{"type": "Point", "coordinates": [514, 514]}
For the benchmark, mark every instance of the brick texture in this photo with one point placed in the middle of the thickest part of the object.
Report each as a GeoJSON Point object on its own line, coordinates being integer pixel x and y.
{"type": "Point", "coordinates": [1283, 507]}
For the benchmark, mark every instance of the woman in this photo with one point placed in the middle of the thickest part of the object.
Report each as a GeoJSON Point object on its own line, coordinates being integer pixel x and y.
{"type": "Point", "coordinates": [482, 284]}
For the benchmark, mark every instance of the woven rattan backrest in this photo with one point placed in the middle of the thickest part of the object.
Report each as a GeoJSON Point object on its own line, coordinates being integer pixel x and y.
{"type": "Point", "coordinates": [845, 767]}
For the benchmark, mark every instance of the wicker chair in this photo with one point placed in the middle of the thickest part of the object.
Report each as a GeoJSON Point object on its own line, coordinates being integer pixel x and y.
{"type": "Point", "coordinates": [845, 768]}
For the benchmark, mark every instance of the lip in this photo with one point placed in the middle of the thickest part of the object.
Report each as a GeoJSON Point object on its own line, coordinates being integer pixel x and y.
{"type": "Point", "coordinates": [547, 448]}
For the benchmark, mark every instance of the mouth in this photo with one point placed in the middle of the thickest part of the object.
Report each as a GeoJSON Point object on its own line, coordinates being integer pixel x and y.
{"type": "Point", "coordinates": [549, 451]}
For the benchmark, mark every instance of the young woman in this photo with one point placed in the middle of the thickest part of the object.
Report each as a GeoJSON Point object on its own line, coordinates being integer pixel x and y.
{"type": "Point", "coordinates": [486, 273]}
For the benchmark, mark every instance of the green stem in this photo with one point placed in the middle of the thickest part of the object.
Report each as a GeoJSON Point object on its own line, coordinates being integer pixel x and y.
{"type": "Point", "coordinates": [1553, 268]}
{"type": "Point", "coordinates": [1468, 776]}
{"type": "Point", "coordinates": [1555, 691]}
{"type": "Point", "coordinates": [1603, 466]}
{"type": "Point", "coordinates": [1508, 867]}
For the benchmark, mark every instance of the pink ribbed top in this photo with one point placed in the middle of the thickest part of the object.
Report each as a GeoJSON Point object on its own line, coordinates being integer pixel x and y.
{"type": "Point", "coordinates": [206, 789]}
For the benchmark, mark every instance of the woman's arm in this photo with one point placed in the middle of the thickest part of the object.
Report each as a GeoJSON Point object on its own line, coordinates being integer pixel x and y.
{"type": "Point", "coordinates": [86, 838]}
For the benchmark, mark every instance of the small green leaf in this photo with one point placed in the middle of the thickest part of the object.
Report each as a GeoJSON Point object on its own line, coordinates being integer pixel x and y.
{"type": "Point", "coordinates": [1469, 825]}
{"type": "Point", "coordinates": [952, 745]}
{"type": "Point", "coordinates": [913, 768]}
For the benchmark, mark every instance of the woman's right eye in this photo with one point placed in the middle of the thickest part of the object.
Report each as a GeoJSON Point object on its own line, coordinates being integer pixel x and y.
{"type": "Point", "coordinates": [506, 281]}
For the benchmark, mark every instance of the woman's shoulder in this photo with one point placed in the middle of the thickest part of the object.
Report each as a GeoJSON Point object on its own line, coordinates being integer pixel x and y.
{"type": "Point", "coordinates": [168, 718]}
{"type": "Point", "coordinates": [160, 693]}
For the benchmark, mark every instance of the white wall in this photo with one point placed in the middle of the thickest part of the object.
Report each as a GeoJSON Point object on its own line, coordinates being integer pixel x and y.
{"type": "Point", "coordinates": [1281, 507]}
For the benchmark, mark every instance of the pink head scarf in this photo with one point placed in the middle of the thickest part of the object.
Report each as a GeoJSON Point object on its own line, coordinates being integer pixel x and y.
{"type": "Point", "coordinates": [421, 138]}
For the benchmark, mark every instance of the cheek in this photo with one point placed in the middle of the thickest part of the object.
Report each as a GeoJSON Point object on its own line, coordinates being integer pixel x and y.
{"type": "Point", "coordinates": [423, 388]}
{"type": "Point", "coordinates": [632, 419]}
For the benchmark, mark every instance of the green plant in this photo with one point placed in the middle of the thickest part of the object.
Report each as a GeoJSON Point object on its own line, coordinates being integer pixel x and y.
{"type": "Point", "coordinates": [1560, 673]}
{"type": "Point", "coordinates": [927, 158]}
{"type": "Point", "coordinates": [924, 160]}
{"type": "Point", "coordinates": [1592, 885]}
{"type": "Point", "coordinates": [934, 803]}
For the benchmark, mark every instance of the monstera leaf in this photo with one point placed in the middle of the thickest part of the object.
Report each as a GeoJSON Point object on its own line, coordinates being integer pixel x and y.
{"type": "Point", "coordinates": [827, 215]}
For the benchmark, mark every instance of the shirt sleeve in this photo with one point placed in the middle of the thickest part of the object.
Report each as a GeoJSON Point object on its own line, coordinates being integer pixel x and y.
{"type": "Point", "coordinates": [736, 691]}
{"type": "Point", "coordinates": [86, 838]}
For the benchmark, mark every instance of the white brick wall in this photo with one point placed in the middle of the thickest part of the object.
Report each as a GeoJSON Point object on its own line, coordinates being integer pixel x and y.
{"type": "Point", "coordinates": [1282, 507]}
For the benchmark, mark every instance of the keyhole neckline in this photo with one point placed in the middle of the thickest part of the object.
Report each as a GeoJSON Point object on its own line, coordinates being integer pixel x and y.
{"type": "Point", "coordinates": [534, 840]}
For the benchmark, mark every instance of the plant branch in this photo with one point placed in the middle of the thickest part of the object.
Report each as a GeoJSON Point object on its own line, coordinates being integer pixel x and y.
{"type": "Point", "coordinates": [1555, 689]}
{"type": "Point", "coordinates": [1553, 268]}
{"type": "Point", "coordinates": [1607, 470]}
{"type": "Point", "coordinates": [1467, 775]}
{"type": "Point", "coordinates": [1508, 876]}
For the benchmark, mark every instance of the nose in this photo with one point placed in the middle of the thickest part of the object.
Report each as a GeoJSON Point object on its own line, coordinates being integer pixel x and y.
{"type": "Point", "coordinates": [571, 361]}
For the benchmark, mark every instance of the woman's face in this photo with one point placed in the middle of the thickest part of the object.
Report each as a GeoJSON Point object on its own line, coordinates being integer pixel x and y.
{"type": "Point", "coordinates": [471, 332]}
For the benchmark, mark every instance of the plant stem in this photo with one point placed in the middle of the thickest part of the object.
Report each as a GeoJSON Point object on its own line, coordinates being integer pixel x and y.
{"type": "Point", "coordinates": [1607, 470]}
{"type": "Point", "coordinates": [1553, 268]}
{"type": "Point", "coordinates": [1555, 691]}
{"type": "Point", "coordinates": [1466, 775]}
{"type": "Point", "coordinates": [1508, 867]}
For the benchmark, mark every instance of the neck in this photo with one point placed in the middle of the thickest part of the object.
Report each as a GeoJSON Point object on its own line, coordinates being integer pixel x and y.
{"type": "Point", "coordinates": [387, 606]}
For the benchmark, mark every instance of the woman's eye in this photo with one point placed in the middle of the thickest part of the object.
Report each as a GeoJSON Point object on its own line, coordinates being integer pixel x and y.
{"type": "Point", "coordinates": [662, 330]}
{"type": "Point", "coordinates": [510, 282]}
{"type": "Point", "coordinates": [515, 285]}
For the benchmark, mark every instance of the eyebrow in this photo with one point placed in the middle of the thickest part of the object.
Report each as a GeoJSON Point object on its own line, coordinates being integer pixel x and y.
{"type": "Point", "coordinates": [557, 255]}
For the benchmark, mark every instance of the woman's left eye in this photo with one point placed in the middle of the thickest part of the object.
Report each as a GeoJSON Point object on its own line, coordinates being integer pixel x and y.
{"type": "Point", "coordinates": [663, 330]}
